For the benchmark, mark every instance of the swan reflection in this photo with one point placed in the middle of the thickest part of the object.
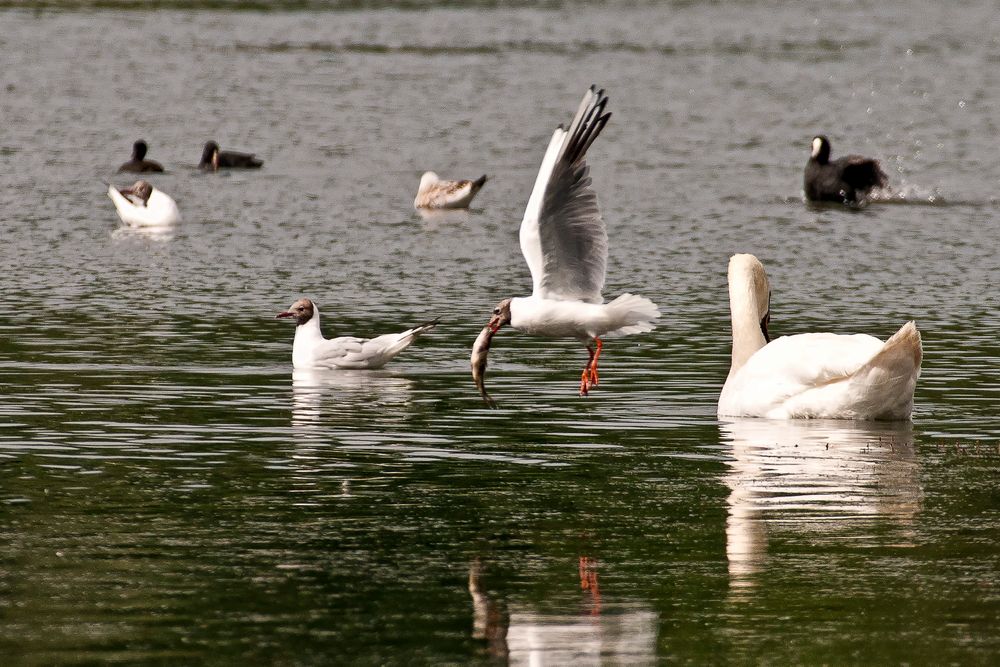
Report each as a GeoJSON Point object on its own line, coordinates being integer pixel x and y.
{"type": "Point", "coordinates": [516, 633]}
{"type": "Point", "coordinates": [321, 396]}
{"type": "Point", "coordinates": [815, 476]}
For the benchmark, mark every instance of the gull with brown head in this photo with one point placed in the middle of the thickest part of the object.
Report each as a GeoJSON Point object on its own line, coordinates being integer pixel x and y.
{"type": "Point", "coordinates": [310, 350]}
{"type": "Point", "coordinates": [565, 245]}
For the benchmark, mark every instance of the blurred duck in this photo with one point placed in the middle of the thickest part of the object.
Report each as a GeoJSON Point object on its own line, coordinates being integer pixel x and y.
{"type": "Point", "coordinates": [847, 180]}
{"type": "Point", "coordinates": [813, 375]}
{"type": "Point", "coordinates": [139, 164]}
{"type": "Point", "coordinates": [213, 159]}
{"type": "Point", "coordinates": [142, 205]}
{"type": "Point", "coordinates": [435, 193]}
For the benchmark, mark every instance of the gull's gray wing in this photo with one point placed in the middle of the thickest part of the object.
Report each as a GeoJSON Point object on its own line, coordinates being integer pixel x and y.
{"type": "Point", "coordinates": [562, 234]}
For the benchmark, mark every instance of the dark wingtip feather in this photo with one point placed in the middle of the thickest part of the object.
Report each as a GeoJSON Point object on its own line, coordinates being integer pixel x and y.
{"type": "Point", "coordinates": [478, 183]}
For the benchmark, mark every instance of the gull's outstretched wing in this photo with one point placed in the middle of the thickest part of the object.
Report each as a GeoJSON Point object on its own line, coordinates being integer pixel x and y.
{"type": "Point", "coordinates": [562, 234]}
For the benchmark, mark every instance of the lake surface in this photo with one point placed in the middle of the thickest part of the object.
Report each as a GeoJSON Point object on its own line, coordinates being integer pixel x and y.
{"type": "Point", "coordinates": [170, 492]}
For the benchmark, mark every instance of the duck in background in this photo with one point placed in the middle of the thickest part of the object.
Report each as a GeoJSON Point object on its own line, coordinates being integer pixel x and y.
{"type": "Point", "coordinates": [846, 180]}
{"type": "Point", "coordinates": [213, 159]}
{"type": "Point", "coordinates": [139, 164]}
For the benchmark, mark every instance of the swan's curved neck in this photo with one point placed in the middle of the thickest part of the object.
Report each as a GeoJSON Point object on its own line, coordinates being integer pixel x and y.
{"type": "Point", "coordinates": [744, 312]}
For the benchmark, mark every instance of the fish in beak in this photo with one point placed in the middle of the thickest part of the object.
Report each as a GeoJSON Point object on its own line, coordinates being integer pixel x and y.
{"type": "Point", "coordinates": [481, 348]}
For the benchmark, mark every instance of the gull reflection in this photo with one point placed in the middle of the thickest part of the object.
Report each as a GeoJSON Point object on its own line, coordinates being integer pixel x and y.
{"type": "Point", "coordinates": [435, 217]}
{"type": "Point", "coordinates": [817, 476]}
{"type": "Point", "coordinates": [518, 634]}
{"type": "Point", "coordinates": [155, 233]}
{"type": "Point", "coordinates": [322, 396]}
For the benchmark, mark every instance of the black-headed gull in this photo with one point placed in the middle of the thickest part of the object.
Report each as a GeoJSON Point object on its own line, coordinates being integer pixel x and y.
{"type": "Point", "coordinates": [139, 164]}
{"type": "Point", "coordinates": [565, 244]}
{"type": "Point", "coordinates": [311, 350]}
{"type": "Point", "coordinates": [848, 180]}
{"type": "Point", "coordinates": [821, 375]}
{"type": "Point", "coordinates": [142, 205]}
{"type": "Point", "coordinates": [435, 193]}
{"type": "Point", "coordinates": [213, 159]}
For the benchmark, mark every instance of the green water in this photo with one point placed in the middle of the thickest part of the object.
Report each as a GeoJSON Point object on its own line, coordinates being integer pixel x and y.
{"type": "Point", "coordinates": [170, 492]}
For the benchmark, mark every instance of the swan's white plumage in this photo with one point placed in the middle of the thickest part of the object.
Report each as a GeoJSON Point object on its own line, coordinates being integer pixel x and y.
{"type": "Point", "coordinates": [816, 375]}
{"type": "Point", "coordinates": [160, 210]}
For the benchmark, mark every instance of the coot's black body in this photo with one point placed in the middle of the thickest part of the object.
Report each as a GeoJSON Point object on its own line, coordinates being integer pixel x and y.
{"type": "Point", "coordinates": [847, 180]}
{"type": "Point", "coordinates": [212, 159]}
{"type": "Point", "coordinates": [138, 164]}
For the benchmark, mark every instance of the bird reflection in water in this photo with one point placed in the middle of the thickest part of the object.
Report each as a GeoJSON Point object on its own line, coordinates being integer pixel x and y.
{"type": "Point", "coordinates": [154, 233]}
{"type": "Point", "coordinates": [828, 478]}
{"type": "Point", "coordinates": [588, 582]}
{"type": "Point", "coordinates": [443, 217]}
{"type": "Point", "coordinates": [321, 397]}
{"type": "Point", "coordinates": [489, 616]}
{"type": "Point", "coordinates": [516, 633]}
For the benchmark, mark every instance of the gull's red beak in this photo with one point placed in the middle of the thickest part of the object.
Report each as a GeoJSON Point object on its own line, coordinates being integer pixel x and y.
{"type": "Point", "coordinates": [284, 314]}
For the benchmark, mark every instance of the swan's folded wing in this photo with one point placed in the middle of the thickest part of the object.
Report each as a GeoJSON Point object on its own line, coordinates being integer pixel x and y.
{"type": "Point", "coordinates": [792, 365]}
{"type": "Point", "coordinates": [562, 235]}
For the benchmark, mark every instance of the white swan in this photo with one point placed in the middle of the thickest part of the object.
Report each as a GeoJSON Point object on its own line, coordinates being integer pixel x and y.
{"type": "Point", "coordinates": [142, 205]}
{"type": "Point", "coordinates": [435, 193]}
{"type": "Point", "coordinates": [816, 375]}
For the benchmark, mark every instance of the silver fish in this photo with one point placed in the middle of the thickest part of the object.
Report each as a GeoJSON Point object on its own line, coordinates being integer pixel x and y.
{"type": "Point", "coordinates": [480, 350]}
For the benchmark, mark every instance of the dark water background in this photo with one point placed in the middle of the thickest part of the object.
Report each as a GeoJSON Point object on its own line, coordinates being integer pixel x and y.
{"type": "Point", "coordinates": [172, 493]}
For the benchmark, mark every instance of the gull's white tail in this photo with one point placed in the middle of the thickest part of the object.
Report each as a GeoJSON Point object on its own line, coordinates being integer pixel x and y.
{"type": "Point", "coordinates": [388, 346]}
{"type": "Point", "coordinates": [633, 314]}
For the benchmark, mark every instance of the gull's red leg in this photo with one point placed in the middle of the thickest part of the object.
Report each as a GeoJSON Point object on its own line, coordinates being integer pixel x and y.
{"type": "Point", "coordinates": [594, 379]}
{"type": "Point", "coordinates": [585, 378]}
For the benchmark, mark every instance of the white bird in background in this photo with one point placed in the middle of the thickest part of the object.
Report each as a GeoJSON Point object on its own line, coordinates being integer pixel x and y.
{"type": "Point", "coordinates": [142, 205]}
{"type": "Point", "coordinates": [565, 244]}
{"type": "Point", "coordinates": [311, 350]}
{"type": "Point", "coordinates": [435, 193]}
{"type": "Point", "coordinates": [814, 375]}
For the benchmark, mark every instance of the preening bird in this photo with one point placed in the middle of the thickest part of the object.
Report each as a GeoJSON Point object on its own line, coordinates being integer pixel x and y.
{"type": "Point", "coordinates": [436, 193]}
{"type": "Point", "coordinates": [142, 205]}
